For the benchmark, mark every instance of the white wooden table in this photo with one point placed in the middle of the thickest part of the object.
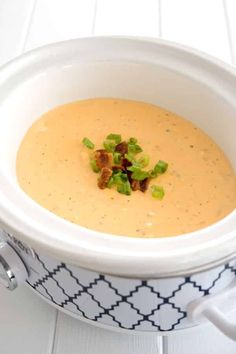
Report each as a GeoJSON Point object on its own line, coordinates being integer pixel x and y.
{"type": "Point", "coordinates": [27, 324]}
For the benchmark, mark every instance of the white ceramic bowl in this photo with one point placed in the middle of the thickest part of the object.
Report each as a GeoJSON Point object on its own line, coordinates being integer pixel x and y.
{"type": "Point", "coordinates": [191, 84]}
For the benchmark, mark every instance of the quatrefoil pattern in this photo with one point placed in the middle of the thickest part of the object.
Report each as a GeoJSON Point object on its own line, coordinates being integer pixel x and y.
{"type": "Point", "coordinates": [143, 305]}
{"type": "Point", "coordinates": [133, 304]}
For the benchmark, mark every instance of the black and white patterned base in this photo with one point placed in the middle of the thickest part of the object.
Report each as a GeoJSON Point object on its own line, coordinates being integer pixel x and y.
{"type": "Point", "coordinates": [143, 305]}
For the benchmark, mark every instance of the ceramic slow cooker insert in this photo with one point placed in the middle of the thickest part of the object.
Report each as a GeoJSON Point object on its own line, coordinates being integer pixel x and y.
{"type": "Point", "coordinates": [152, 285]}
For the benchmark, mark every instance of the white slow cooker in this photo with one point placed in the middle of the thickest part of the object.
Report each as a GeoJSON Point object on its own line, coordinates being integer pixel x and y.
{"type": "Point", "coordinates": [146, 285]}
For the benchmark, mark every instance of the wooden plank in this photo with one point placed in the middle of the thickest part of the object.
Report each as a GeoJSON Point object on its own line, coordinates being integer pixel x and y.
{"type": "Point", "coordinates": [55, 21]}
{"type": "Point", "coordinates": [27, 323]}
{"type": "Point", "coordinates": [73, 337]}
{"type": "Point", "coordinates": [201, 340]}
{"type": "Point", "coordinates": [122, 17]}
{"type": "Point", "coordinates": [14, 21]}
{"type": "Point", "coordinates": [200, 24]}
{"type": "Point", "coordinates": [230, 12]}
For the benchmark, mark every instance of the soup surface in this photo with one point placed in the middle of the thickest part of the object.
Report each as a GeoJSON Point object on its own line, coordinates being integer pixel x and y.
{"type": "Point", "coordinates": [53, 169]}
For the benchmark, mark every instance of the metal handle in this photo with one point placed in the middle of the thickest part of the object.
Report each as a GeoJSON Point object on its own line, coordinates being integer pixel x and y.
{"type": "Point", "coordinates": [207, 308]}
{"type": "Point", "coordinates": [12, 269]}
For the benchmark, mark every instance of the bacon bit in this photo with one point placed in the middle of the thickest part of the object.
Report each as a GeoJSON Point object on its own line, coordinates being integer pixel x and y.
{"type": "Point", "coordinates": [122, 148]}
{"type": "Point", "coordinates": [144, 184]}
{"type": "Point", "coordinates": [129, 174]}
{"type": "Point", "coordinates": [118, 168]}
{"type": "Point", "coordinates": [125, 163]}
{"type": "Point", "coordinates": [103, 180]}
{"type": "Point", "coordinates": [103, 158]}
{"type": "Point", "coordinates": [139, 185]}
{"type": "Point", "coordinates": [135, 185]}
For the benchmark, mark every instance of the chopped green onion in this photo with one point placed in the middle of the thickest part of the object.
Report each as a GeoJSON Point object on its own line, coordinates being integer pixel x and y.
{"type": "Point", "coordinates": [157, 192]}
{"type": "Point", "coordinates": [130, 157]}
{"type": "Point", "coordinates": [111, 182]}
{"type": "Point", "coordinates": [88, 143]}
{"type": "Point", "coordinates": [134, 148]}
{"type": "Point", "coordinates": [143, 161]}
{"type": "Point", "coordinates": [117, 177]}
{"type": "Point", "coordinates": [115, 137]}
{"type": "Point", "coordinates": [133, 140]}
{"type": "Point", "coordinates": [133, 168]}
{"type": "Point", "coordinates": [117, 172]}
{"type": "Point", "coordinates": [124, 188]}
{"type": "Point", "coordinates": [117, 158]}
{"type": "Point", "coordinates": [109, 146]}
{"type": "Point", "coordinates": [120, 178]}
{"type": "Point", "coordinates": [139, 175]}
{"type": "Point", "coordinates": [153, 174]}
{"type": "Point", "coordinates": [159, 168]}
{"type": "Point", "coordinates": [94, 166]}
{"type": "Point", "coordinates": [124, 177]}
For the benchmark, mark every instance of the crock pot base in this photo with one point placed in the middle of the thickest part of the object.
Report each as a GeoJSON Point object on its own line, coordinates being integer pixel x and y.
{"type": "Point", "coordinates": [153, 305]}
{"type": "Point", "coordinates": [109, 328]}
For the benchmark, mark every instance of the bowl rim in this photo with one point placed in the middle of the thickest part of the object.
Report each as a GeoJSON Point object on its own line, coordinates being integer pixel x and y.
{"type": "Point", "coordinates": [102, 252]}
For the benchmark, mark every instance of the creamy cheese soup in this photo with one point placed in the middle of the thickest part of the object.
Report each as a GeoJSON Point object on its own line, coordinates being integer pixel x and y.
{"type": "Point", "coordinates": [53, 169]}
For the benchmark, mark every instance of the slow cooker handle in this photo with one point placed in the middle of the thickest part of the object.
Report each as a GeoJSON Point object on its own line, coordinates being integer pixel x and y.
{"type": "Point", "coordinates": [207, 308]}
{"type": "Point", "coordinates": [12, 269]}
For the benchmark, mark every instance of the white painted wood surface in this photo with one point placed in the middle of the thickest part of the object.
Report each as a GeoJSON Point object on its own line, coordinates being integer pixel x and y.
{"type": "Point", "coordinates": [27, 324]}
{"type": "Point", "coordinates": [203, 340]}
{"type": "Point", "coordinates": [132, 17]}
{"type": "Point", "coordinates": [54, 21]}
{"type": "Point", "coordinates": [85, 339]}
{"type": "Point", "coordinates": [200, 24]}
{"type": "Point", "coordinates": [230, 11]}
{"type": "Point", "coordinates": [15, 19]}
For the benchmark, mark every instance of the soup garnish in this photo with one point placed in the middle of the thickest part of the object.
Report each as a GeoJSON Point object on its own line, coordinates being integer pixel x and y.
{"type": "Point", "coordinates": [120, 167]}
